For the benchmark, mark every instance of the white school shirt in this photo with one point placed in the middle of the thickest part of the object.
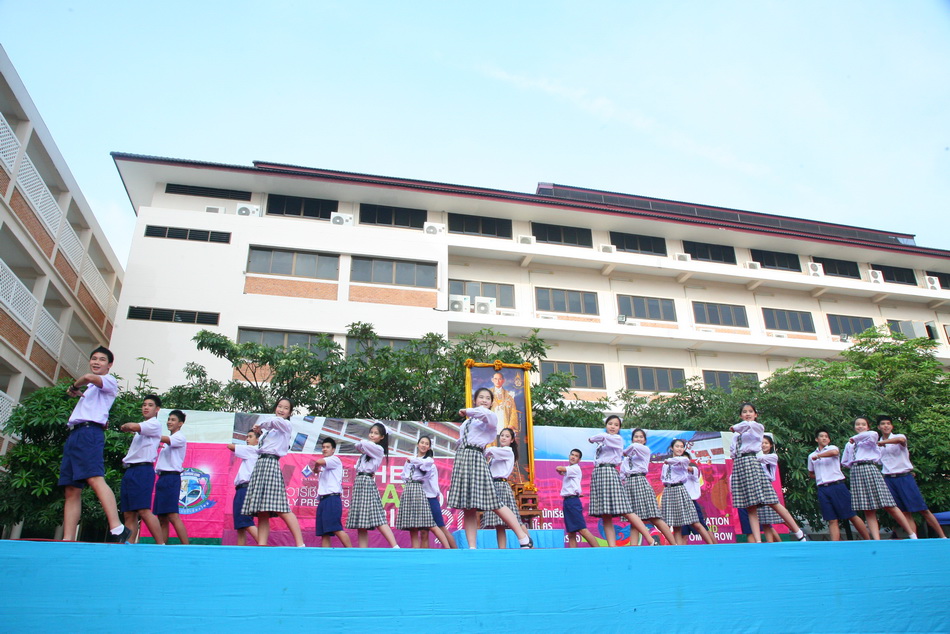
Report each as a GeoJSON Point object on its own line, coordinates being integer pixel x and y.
{"type": "Point", "coordinates": [480, 428]}
{"type": "Point", "coordinates": [172, 456]}
{"type": "Point", "coordinates": [248, 455]}
{"type": "Point", "coordinates": [676, 470]}
{"type": "Point", "coordinates": [636, 459]}
{"type": "Point", "coordinates": [330, 479]}
{"type": "Point", "coordinates": [277, 439]}
{"type": "Point", "coordinates": [425, 467]}
{"type": "Point", "coordinates": [571, 485]}
{"type": "Point", "coordinates": [895, 457]}
{"type": "Point", "coordinates": [502, 461]}
{"type": "Point", "coordinates": [769, 462]}
{"type": "Point", "coordinates": [864, 447]}
{"type": "Point", "coordinates": [826, 470]}
{"type": "Point", "coordinates": [692, 484]}
{"type": "Point", "coordinates": [750, 433]}
{"type": "Point", "coordinates": [145, 443]}
{"type": "Point", "coordinates": [371, 459]}
{"type": "Point", "coordinates": [94, 405]}
{"type": "Point", "coordinates": [610, 450]}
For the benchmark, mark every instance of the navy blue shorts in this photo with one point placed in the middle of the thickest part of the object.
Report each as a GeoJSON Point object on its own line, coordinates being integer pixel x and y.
{"type": "Point", "coordinates": [167, 492]}
{"type": "Point", "coordinates": [436, 509]}
{"type": "Point", "coordinates": [905, 492]}
{"type": "Point", "coordinates": [574, 519]}
{"type": "Point", "coordinates": [689, 530]}
{"type": "Point", "coordinates": [330, 515]}
{"type": "Point", "coordinates": [82, 456]}
{"type": "Point", "coordinates": [744, 522]}
{"type": "Point", "coordinates": [138, 482]}
{"type": "Point", "coordinates": [835, 502]}
{"type": "Point", "coordinates": [240, 521]}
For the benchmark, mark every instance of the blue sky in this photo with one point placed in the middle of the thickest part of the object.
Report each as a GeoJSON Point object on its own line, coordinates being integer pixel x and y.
{"type": "Point", "coordinates": [836, 111]}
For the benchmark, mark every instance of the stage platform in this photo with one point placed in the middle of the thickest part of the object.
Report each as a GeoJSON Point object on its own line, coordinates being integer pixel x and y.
{"type": "Point", "coordinates": [886, 586]}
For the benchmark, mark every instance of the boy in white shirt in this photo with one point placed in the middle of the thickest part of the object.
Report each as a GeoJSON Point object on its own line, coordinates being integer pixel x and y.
{"type": "Point", "coordinates": [330, 489]}
{"type": "Point", "coordinates": [574, 521]}
{"type": "Point", "coordinates": [168, 486]}
{"type": "Point", "coordinates": [139, 477]}
{"type": "Point", "coordinates": [834, 498]}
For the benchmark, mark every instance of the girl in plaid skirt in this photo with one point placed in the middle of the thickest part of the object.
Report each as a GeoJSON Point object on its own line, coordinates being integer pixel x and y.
{"type": "Point", "coordinates": [266, 491]}
{"type": "Point", "coordinates": [767, 517]}
{"type": "Point", "coordinates": [424, 464]}
{"type": "Point", "coordinates": [750, 486]}
{"type": "Point", "coordinates": [501, 463]}
{"type": "Point", "coordinates": [366, 507]}
{"type": "Point", "coordinates": [633, 470]}
{"type": "Point", "coordinates": [472, 489]}
{"type": "Point", "coordinates": [414, 515]}
{"type": "Point", "coordinates": [868, 490]}
{"type": "Point", "coordinates": [676, 504]}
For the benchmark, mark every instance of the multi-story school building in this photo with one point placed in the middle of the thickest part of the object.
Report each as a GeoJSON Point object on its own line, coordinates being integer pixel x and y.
{"type": "Point", "coordinates": [633, 292]}
{"type": "Point", "coordinates": [59, 278]}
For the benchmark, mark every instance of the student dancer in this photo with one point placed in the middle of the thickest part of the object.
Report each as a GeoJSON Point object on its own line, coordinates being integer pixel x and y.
{"type": "Point", "coordinates": [366, 507]}
{"type": "Point", "coordinates": [501, 462]}
{"type": "Point", "coordinates": [266, 491]}
{"type": "Point", "coordinates": [244, 524]}
{"type": "Point", "coordinates": [138, 481]}
{"type": "Point", "coordinates": [868, 491]}
{"type": "Point", "coordinates": [168, 486]}
{"type": "Point", "coordinates": [634, 469]}
{"type": "Point", "coordinates": [899, 475]}
{"type": "Point", "coordinates": [574, 522]}
{"type": "Point", "coordinates": [767, 517]}
{"type": "Point", "coordinates": [415, 514]}
{"type": "Point", "coordinates": [750, 487]}
{"type": "Point", "coordinates": [676, 505]}
{"type": "Point", "coordinates": [329, 519]}
{"type": "Point", "coordinates": [472, 489]}
{"type": "Point", "coordinates": [424, 464]}
{"type": "Point", "coordinates": [694, 488]}
{"type": "Point", "coordinates": [608, 499]}
{"type": "Point", "coordinates": [834, 498]}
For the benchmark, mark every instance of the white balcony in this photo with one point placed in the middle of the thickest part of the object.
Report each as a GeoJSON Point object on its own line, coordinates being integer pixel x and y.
{"type": "Point", "coordinates": [17, 298]}
{"type": "Point", "coordinates": [96, 284]}
{"type": "Point", "coordinates": [6, 406]}
{"type": "Point", "coordinates": [72, 357]}
{"type": "Point", "coordinates": [39, 196]}
{"type": "Point", "coordinates": [9, 145]}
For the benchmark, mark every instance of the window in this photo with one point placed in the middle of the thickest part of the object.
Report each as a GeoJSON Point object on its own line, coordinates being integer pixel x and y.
{"type": "Point", "coordinates": [943, 277]}
{"type": "Point", "coordinates": [710, 252]}
{"type": "Point", "coordinates": [720, 314]}
{"type": "Point", "coordinates": [846, 325]}
{"type": "Point", "coordinates": [646, 307]}
{"type": "Point", "coordinates": [480, 226]}
{"type": "Point", "coordinates": [794, 320]}
{"type": "Point", "coordinates": [723, 379]}
{"type": "Point", "coordinates": [896, 274]}
{"type": "Point", "coordinates": [777, 260]}
{"type": "Point", "coordinates": [504, 294]}
{"type": "Point", "coordinates": [354, 345]}
{"type": "Point", "coordinates": [392, 216]}
{"type": "Point", "coordinates": [557, 300]}
{"type": "Point", "coordinates": [633, 243]}
{"type": "Point", "coordinates": [296, 263]}
{"type": "Point", "coordinates": [278, 339]}
{"type": "Point", "coordinates": [281, 205]}
{"type": "Point", "coordinates": [839, 268]}
{"type": "Point", "coordinates": [179, 233]}
{"type": "Point", "coordinates": [590, 375]}
{"type": "Point", "coordinates": [913, 329]}
{"type": "Point", "coordinates": [644, 379]}
{"type": "Point", "coordinates": [207, 192]}
{"type": "Point", "coordinates": [395, 272]}
{"type": "Point", "coordinates": [147, 313]}
{"type": "Point", "coordinates": [556, 234]}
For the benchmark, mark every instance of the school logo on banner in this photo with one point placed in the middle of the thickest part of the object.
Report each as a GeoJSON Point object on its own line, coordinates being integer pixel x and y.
{"type": "Point", "coordinates": [195, 493]}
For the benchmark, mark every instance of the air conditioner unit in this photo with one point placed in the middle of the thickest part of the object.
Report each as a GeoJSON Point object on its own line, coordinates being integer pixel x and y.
{"type": "Point", "coordinates": [621, 319]}
{"type": "Point", "coordinates": [485, 306]}
{"type": "Point", "coordinates": [816, 269]}
{"type": "Point", "coordinates": [876, 276]}
{"type": "Point", "coordinates": [460, 303]}
{"type": "Point", "coordinates": [337, 218]}
{"type": "Point", "coordinates": [214, 210]}
{"type": "Point", "coordinates": [683, 257]}
{"type": "Point", "coordinates": [248, 210]}
{"type": "Point", "coordinates": [778, 335]}
{"type": "Point", "coordinates": [933, 282]}
{"type": "Point", "coordinates": [841, 338]}
{"type": "Point", "coordinates": [752, 264]}
{"type": "Point", "coordinates": [608, 248]}
{"type": "Point", "coordinates": [527, 240]}
{"type": "Point", "coordinates": [433, 228]}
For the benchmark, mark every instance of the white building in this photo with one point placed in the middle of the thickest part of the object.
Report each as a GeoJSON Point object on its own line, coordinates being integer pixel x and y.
{"type": "Point", "coordinates": [59, 278]}
{"type": "Point", "coordinates": [631, 291]}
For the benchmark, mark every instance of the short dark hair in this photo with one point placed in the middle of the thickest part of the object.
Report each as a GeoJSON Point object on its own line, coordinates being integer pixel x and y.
{"type": "Point", "coordinates": [329, 440]}
{"type": "Point", "coordinates": [155, 398]}
{"type": "Point", "coordinates": [884, 417]}
{"type": "Point", "coordinates": [579, 452]}
{"type": "Point", "coordinates": [822, 430]}
{"type": "Point", "coordinates": [177, 413]}
{"type": "Point", "coordinates": [105, 351]}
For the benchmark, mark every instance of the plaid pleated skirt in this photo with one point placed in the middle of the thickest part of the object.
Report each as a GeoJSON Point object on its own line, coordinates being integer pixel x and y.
{"type": "Point", "coordinates": [507, 498]}
{"type": "Point", "coordinates": [642, 496]}
{"type": "Point", "coordinates": [607, 495]}
{"type": "Point", "coordinates": [677, 507]}
{"type": "Point", "coordinates": [767, 515]}
{"type": "Point", "coordinates": [266, 490]}
{"type": "Point", "coordinates": [414, 510]}
{"type": "Point", "coordinates": [868, 490]}
{"type": "Point", "coordinates": [366, 507]}
{"type": "Point", "coordinates": [472, 486]}
{"type": "Point", "coordinates": [750, 485]}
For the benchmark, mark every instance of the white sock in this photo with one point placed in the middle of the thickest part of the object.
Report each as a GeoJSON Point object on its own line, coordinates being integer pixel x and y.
{"type": "Point", "coordinates": [524, 540]}
{"type": "Point", "coordinates": [800, 533]}
{"type": "Point", "coordinates": [117, 530]}
{"type": "Point", "coordinates": [396, 546]}
{"type": "Point", "coordinates": [912, 536]}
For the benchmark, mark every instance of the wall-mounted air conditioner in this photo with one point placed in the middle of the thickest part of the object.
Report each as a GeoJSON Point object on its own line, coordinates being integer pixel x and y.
{"type": "Point", "coordinates": [933, 282]}
{"type": "Point", "coordinates": [527, 240]}
{"type": "Point", "coordinates": [621, 319]}
{"type": "Point", "coordinates": [608, 248]}
{"type": "Point", "coordinates": [816, 269]}
{"type": "Point", "coordinates": [433, 228]}
{"type": "Point", "coordinates": [337, 218]}
{"type": "Point", "coordinates": [683, 257]}
{"type": "Point", "coordinates": [876, 276]}
{"type": "Point", "coordinates": [214, 210]}
{"type": "Point", "coordinates": [460, 303]}
{"type": "Point", "coordinates": [752, 264]}
{"type": "Point", "coordinates": [248, 210]}
{"type": "Point", "coordinates": [485, 305]}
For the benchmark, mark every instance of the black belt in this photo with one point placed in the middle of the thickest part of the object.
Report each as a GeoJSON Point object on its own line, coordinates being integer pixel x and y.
{"type": "Point", "coordinates": [87, 423]}
{"type": "Point", "coordinates": [240, 486]}
{"type": "Point", "coordinates": [750, 454]}
{"type": "Point", "coordinates": [329, 495]}
{"type": "Point", "coordinates": [500, 479]}
{"type": "Point", "coordinates": [828, 484]}
{"type": "Point", "coordinates": [269, 455]}
{"type": "Point", "coordinates": [673, 484]}
{"type": "Point", "coordinates": [475, 447]}
{"type": "Point", "coordinates": [897, 475]}
{"type": "Point", "coordinates": [576, 495]}
{"type": "Point", "coordinates": [371, 474]}
{"type": "Point", "coordinates": [642, 475]}
{"type": "Point", "coordinates": [857, 462]}
{"type": "Point", "coordinates": [605, 464]}
{"type": "Point", "coordinates": [412, 481]}
{"type": "Point", "coordinates": [161, 473]}
{"type": "Point", "coordinates": [136, 464]}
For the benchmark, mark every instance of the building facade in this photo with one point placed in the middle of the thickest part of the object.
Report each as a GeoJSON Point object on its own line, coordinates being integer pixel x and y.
{"type": "Point", "coordinates": [59, 278]}
{"type": "Point", "coordinates": [632, 292]}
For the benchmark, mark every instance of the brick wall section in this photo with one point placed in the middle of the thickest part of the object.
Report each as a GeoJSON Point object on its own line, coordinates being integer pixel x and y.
{"type": "Point", "coordinates": [64, 373]}
{"type": "Point", "coordinates": [33, 224]}
{"type": "Point", "coordinates": [595, 320]}
{"type": "Point", "coordinates": [43, 361]}
{"type": "Point", "coordinates": [263, 373]}
{"type": "Point", "coordinates": [729, 331]}
{"type": "Point", "coordinates": [583, 395]}
{"type": "Point", "coordinates": [87, 301]}
{"type": "Point", "coordinates": [396, 296]}
{"type": "Point", "coordinates": [66, 270]}
{"type": "Point", "coordinates": [4, 182]}
{"type": "Point", "coordinates": [108, 331]}
{"type": "Point", "coordinates": [289, 288]}
{"type": "Point", "coordinates": [792, 335]}
{"type": "Point", "coordinates": [659, 324]}
{"type": "Point", "coordinates": [13, 332]}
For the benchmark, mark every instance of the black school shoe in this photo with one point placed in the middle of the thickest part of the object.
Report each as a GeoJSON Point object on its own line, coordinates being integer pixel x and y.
{"type": "Point", "coordinates": [530, 543]}
{"type": "Point", "coordinates": [121, 538]}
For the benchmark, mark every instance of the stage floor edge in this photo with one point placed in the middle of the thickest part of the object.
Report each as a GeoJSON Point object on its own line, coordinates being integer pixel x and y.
{"type": "Point", "coordinates": [883, 586]}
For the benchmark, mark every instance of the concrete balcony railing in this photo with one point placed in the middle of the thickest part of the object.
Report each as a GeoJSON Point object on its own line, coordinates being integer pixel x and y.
{"type": "Point", "coordinates": [17, 298]}
{"type": "Point", "coordinates": [9, 145]}
{"type": "Point", "coordinates": [6, 408]}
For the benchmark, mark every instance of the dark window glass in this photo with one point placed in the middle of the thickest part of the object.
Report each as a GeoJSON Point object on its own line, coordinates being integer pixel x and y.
{"type": "Point", "coordinates": [392, 216]}
{"type": "Point", "coordinates": [896, 274]}
{"type": "Point", "coordinates": [556, 234]}
{"type": "Point", "coordinates": [646, 307]}
{"type": "Point", "coordinates": [180, 233]}
{"type": "Point", "coordinates": [777, 260]}
{"type": "Point", "coordinates": [278, 339]}
{"type": "Point", "coordinates": [646, 379]}
{"type": "Point", "coordinates": [586, 375]}
{"type": "Point", "coordinates": [710, 252]}
{"type": "Point", "coordinates": [633, 243]}
{"type": "Point", "coordinates": [722, 380]}
{"type": "Point", "coordinates": [504, 294]}
{"type": "Point", "coordinates": [396, 272]}
{"type": "Point", "coordinates": [848, 325]}
{"type": "Point", "coordinates": [563, 301]}
{"type": "Point", "coordinates": [155, 232]}
{"type": "Point", "coordinates": [357, 345]}
{"type": "Point", "coordinates": [720, 314]}
{"type": "Point", "coordinates": [839, 268]}
{"type": "Point", "coordinates": [177, 233]}
{"type": "Point", "coordinates": [281, 205]}
{"type": "Point", "coordinates": [793, 320]}
{"type": "Point", "coordinates": [171, 315]}
{"type": "Point", "coordinates": [297, 263]}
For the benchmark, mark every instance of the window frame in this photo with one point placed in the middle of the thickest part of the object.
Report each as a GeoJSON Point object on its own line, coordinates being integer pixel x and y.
{"type": "Point", "coordinates": [382, 262]}
{"type": "Point", "coordinates": [581, 299]}
{"type": "Point", "coordinates": [733, 311]}
{"type": "Point", "coordinates": [573, 364]}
